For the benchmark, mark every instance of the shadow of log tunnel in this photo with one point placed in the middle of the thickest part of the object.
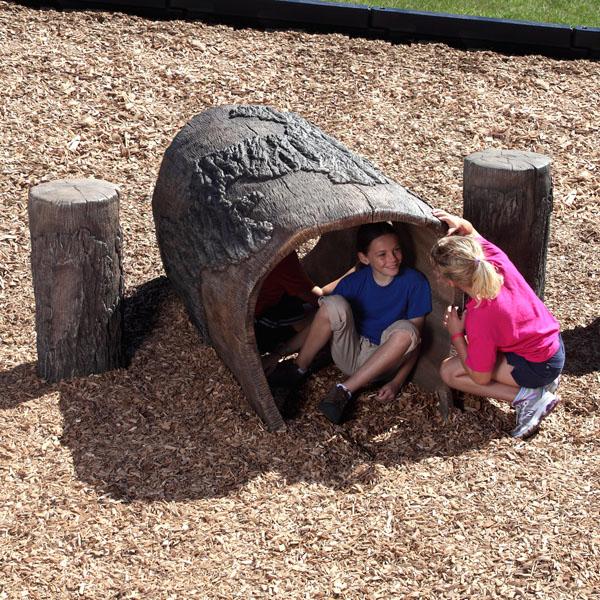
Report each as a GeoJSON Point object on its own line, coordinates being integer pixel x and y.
{"type": "Point", "coordinates": [175, 426]}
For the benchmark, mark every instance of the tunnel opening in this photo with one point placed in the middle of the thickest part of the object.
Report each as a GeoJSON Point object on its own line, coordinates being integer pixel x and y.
{"type": "Point", "coordinates": [329, 256]}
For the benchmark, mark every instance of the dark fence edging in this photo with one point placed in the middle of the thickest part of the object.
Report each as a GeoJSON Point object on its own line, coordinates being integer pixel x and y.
{"type": "Point", "coordinates": [396, 24]}
{"type": "Point", "coordinates": [318, 13]}
{"type": "Point", "coordinates": [588, 38]}
{"type": "Point", "coordinates": [115, 4]}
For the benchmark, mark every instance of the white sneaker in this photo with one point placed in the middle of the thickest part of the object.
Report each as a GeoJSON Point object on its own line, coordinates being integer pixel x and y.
{"type": "Point", "coordinates": [553, 386]}
{"type": "Point", "coordinates": [533, 405]}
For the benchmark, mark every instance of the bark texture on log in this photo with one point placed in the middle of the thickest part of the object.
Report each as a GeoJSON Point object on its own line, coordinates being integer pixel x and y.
{"type": "Point", "coordinates": [239, 188]}
{"type": "Point", "coordinates": [508, 198]}
{"type": "Point", "coordinates": [77, 277]}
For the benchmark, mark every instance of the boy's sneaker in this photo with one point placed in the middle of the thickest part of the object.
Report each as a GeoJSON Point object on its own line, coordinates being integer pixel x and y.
{"type": "Point", "coordinates": [532, 405]}
{"type": "Point", "coordinates": [334, 404]}
{"type": "Point", "coordinates": [286, 375]}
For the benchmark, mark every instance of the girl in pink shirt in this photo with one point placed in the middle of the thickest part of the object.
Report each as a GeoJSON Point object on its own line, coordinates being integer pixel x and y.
{"type": "Point", "coordinates": [507, 342]}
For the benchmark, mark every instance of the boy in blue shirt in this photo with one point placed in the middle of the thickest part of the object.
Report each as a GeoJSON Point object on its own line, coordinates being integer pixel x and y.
{"type": "Point", "coordinates": [373, 317]}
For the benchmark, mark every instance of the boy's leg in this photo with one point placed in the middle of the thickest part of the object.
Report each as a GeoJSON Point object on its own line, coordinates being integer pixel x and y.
{"type": "Point", "coordinates": [371, 362]}
{"type": "Point", "coordinates": [293, 344]}
{"type": "Point", "coordinates": [278, 327]}
{"type": "Point", "coordinates": [333, 319]}
{"type": "Point", "coordinates": [502, 386]}
{"type": "Point", "coordinates": [315, 337]}
{"type": "Point", "coordinates": [389, 390]}
{"type": "Point", "coordinates": [399, 342]}
{"type": "Point", "coordinates": [285, 348]}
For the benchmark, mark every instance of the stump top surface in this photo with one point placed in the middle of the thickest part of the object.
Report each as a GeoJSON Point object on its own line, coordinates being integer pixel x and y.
{"type": "Point", "coordinates": [509, 160]}
{"type": "Point", "coordinates": [74, 191]}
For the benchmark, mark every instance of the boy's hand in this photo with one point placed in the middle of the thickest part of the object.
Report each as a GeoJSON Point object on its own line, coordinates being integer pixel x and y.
{"type": "Point", "coordinates": [387, 392]}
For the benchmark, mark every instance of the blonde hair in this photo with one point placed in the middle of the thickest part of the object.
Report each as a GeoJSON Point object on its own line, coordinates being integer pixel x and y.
{"type": "Point", "coordinates": [461, 260]}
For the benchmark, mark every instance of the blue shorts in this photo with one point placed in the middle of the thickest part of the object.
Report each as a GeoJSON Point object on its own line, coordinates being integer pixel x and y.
{"type": "Point", "coordinates": [537, 374]}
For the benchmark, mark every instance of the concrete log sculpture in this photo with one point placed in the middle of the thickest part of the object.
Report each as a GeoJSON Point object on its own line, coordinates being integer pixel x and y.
{"type": "Point", "coordinates": [77, 277]}
{"type": "Point", "coordinates": [239, 188]}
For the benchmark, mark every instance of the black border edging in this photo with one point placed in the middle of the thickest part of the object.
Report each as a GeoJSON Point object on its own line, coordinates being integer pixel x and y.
{"type": "Point", "coordinates": [388, 23]}
{"type": "Point", "coordinates": [306, 12]}
{"type": "Point", "coordinates": [587, 37]}
{"type": "Point", "coordinates": [117, 5]}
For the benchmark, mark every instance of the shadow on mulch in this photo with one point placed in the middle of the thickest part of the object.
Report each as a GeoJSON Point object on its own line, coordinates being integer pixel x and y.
{"type": "Point", "coordinates": [582, 349]}
{"type": "Point", "coordinates": [211, 448]}
{"type": "Point", "coordinates": [175, 426]}
{"type": "Point", "coordinates": [21, 384]}
{"type": "Point", "coordinates": [140, 312]}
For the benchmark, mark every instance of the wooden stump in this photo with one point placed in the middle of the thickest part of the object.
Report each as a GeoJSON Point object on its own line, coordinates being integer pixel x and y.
{"type": "Point", "coordinates": [77, 277]}
{"type": "Point", "coordinates": [508, 197]}
{"type": "Point", "coordinates": [239, 188]}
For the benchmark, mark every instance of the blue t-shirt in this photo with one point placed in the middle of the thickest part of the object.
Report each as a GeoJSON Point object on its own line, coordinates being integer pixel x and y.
{"type": "Point", "coordinates": [376, 307]}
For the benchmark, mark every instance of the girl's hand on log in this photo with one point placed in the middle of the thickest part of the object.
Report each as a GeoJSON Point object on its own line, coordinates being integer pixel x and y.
{"type": "Point", "coordinates": [456, 225]}
{"type": "Point", "coordinates": [452, 322]}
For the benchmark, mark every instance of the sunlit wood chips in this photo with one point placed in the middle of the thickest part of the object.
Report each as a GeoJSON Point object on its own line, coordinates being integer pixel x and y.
{"type": "Point", "coordinates": [158, 481]}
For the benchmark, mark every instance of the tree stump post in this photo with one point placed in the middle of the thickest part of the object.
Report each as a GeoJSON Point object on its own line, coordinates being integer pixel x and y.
{"type": "Point", "coordinates": [508, 198]}
{"type": "Point", "coordinates": [77, 277]}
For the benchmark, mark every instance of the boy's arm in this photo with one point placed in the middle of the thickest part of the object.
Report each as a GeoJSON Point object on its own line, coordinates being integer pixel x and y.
{"type": "Point", "coordinates": [456, 225]}
{"type": "Point", "coordinates": [294, 280]}
{"type": "Point", "coordinates": [311, 296]}
{"type": "Point", "coordinates": [330, 287]}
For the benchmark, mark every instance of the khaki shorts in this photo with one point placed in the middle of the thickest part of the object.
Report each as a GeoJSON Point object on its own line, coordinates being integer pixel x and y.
{"type": "Point", "coordinates": [350, 350]}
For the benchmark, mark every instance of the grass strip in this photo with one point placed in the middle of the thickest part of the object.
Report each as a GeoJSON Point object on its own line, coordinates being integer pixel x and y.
{"type": "Point", "coordinates": [566, 12]}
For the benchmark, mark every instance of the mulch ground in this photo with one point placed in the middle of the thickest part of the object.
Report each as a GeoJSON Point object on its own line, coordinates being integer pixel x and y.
{"type": "Point", "coordinates": [158, 481]}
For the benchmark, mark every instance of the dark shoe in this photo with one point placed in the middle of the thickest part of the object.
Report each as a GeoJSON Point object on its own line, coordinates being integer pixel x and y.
{"type": "Point", "coordinates": [335, 403]}
{"type": "Point", "coordinates": [288, 402]}
{"type": "Point", "coordinates": [286, 375]}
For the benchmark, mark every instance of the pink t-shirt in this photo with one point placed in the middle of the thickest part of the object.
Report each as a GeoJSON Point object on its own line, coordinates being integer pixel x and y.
{"type": "Point", "coordinates": [516, 320]}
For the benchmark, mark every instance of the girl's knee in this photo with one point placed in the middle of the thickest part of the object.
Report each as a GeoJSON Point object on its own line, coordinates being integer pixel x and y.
{"type": "Point", "coordinates": [448, 370]}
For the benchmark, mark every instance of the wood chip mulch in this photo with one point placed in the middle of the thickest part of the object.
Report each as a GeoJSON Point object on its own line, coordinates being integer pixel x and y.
{"type": "Point", "coordinates": [158, 481]}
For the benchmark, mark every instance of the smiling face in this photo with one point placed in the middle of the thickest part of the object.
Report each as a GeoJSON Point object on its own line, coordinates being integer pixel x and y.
{"type": "Point", "coordinates": [384, 256]}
